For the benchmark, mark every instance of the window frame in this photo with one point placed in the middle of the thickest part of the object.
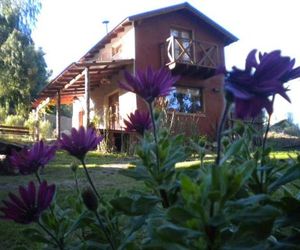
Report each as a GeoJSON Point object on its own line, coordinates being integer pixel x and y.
{"type": "Point", "coordinates": [201, 99]}
{"type": "Point", "coordinates": [191, 50]}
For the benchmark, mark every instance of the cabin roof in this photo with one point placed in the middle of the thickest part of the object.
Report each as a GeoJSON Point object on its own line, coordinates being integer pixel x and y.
{"type": "Point", "coordinates": [228, 37]}
{"type": "Point", "coordinates": [100, 68]}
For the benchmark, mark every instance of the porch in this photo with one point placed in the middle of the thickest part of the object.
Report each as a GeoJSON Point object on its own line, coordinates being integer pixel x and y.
{"type": "Point", "coordinates": [188, 56]}
{"type": "Point", "coordinates": [76, 82]}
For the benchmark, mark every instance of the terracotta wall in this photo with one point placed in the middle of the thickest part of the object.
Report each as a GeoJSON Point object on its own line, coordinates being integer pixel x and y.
{"type": "Point", "coordinates": [150, 33]}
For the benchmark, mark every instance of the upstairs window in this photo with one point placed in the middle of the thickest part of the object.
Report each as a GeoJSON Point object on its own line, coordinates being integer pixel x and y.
{"type": "Point", "coordinates": [116, 50]}
{"type": "Point", "coordinates": [185, 100]}
{"type": "Point", "coordinates": [182, 44]}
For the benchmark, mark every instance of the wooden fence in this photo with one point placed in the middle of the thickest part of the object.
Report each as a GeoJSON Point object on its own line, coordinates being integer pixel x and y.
{"type": "Point", "coordinates": [14, 130]}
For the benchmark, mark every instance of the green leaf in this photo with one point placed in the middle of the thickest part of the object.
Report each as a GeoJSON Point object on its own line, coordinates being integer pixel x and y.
{"type": "Point", "coordinates": [139, 173]}
{"type": "Point", "coordinates": [248, 201]}
{"type": "Point", "coordinates": [233, 150]}
{"type": "Point", "coordinates": [123, 204]}
{"type": "Point", "coordinates": [76, 224]}
{"type": "Point", "coordinates": [174, 233]}
{"type": "Point", "coordinates": [138, 205]}
{"type": "Point", "coordinates": [290, 175]}
{"type": "Point", "coordinates": [179, 214]}
{"type": "Point", "coordinates": [35, 235]}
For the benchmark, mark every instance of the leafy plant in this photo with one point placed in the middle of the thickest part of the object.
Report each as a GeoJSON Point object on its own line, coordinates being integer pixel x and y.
{"type": "Point", "coordinates": [245, 199]}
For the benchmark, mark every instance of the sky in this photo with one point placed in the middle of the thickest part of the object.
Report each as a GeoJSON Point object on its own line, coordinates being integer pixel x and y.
{"type": "Point", "coordinates": [67, 29]}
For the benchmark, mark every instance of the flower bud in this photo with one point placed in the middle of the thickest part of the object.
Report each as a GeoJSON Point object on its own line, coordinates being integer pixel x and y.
{"type": "Point", "coordinates": [240, 128]}
{"type": "Point", "coordinates": [74, 166]}
{"type": "Point", "coordinates": [229, 97]}
{"type": "Point", "coordinates": [225, 141]}
{"type": "Point", "coordinates": [202, 142]}
{"type": "Point", "coordinates": [89, 199]}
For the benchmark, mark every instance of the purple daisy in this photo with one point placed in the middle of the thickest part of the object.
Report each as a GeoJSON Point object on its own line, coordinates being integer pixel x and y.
{"type": "Point", "coordinates": [28, 161]}
{"type": "Point", "coordinates": [138, 122]}
{"type": "Point", "coordinates": [253, 86]}
{"type": "Point", "coordinates": [149, 84]}
{"type": "Point", "coordinates": [28, 207]}
{"type": "Point", "coordinates": [80, 142]}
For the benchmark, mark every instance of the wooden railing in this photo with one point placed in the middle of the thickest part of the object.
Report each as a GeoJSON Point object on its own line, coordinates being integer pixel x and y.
{"type": "Point", "coordinates": [188, 51]}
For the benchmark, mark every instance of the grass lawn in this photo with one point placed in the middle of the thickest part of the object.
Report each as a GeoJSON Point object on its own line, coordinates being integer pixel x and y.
{"type": "Point", "coordinates": [104, 169]}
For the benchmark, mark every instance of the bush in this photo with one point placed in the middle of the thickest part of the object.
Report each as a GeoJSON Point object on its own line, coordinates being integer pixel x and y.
{"type": "Point", "coordinates": [45, 129]}
{"type": "Point", "coordinates": [14, 120]}
{"type": "Point", "coordinates": [2, 114]}
{"type": "Point", "coordinates": [31, 123]}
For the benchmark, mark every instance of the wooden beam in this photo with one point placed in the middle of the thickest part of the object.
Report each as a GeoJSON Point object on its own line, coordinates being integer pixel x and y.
{"type": "Point", "coordinates": [74, 80]}
{"type": "Point", "coordinates": [58, 114]}
{"type": "Point", "coordinates": [42, 104]}
{"type": "Point", "coordinates": [87, 96]}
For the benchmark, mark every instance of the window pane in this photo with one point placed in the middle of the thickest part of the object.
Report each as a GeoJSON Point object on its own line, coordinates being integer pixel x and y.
{"type": "Point", "coordinates": [185, 100]}
{"type": "Point", "coordinates": [182, 46]}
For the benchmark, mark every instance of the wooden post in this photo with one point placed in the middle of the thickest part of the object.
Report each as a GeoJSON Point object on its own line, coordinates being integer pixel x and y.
{"type": "Point", "coordinates": [36, 133]}
{"type": "Point", "coordinates": [58, 128]}
{"type": "Point", "coordinates": [87, 96]}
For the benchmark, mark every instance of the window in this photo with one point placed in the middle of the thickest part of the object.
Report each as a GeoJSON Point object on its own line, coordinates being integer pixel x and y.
{"type": "Point", "coordinates": [182, 46]}
{"type": "Point", "coordinates": [116, 50]}
{"type": "Point", "coordinates": [185, 100]}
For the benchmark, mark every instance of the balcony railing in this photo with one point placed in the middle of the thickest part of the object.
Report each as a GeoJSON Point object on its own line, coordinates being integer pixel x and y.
{"type": "Point", "coordinates": [186, 51]}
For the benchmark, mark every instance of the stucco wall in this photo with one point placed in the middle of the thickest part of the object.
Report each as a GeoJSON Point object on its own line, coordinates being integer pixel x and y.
{"type": "Point", "coordinates": [79, 105]}
{"type": "Point", "coordinates": [128, 105]}
{"type": "Point", "coordinates": [125, 40]}
{"type": "Point", "coordinates": [127, 100]}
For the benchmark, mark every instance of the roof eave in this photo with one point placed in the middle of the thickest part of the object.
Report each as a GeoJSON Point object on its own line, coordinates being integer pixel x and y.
{"type": "Point", "coordinates": [229, 37]}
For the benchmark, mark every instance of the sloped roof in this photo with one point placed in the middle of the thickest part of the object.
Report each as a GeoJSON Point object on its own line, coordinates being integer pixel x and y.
{"type": "Point", "coordinates": [70, 82]}
{"type": "Point", "coordinates": [103, 68]}
{"type": "Point", "coordinates": [230, 38]}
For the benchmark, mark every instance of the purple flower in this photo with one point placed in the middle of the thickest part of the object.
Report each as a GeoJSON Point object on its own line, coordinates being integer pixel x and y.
{"type": "Point", "coordinates": [28, 161]}
{"type": "Point", "coordinates": [149, 84]}
{"type": "Point", "coordinates": [80, 142]}
{"type": "Point", "coordinates": [260, 80]}
{"type": "Point", "coordinates": [90, 199]}
{"type": "Point", "coordinates": [29, 205]}
{"type": "Point", "coordinates": [138, 122]}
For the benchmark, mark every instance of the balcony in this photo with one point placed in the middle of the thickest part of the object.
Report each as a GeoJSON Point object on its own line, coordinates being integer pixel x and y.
{"type": "Point", "coordinates": [190, 56]}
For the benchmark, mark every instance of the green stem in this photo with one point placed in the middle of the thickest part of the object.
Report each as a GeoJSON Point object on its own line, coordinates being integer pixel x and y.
{"type": "Point", "coordinates": [153, 122]}
{"type": "Point", "coordinates": [262, 172]}
{"type": "Point", "coordinates": [58, 243]}
{"type": "Point", "coordinates": [267, 129]}
{"type": "Point", "coordinates": [218, 158]}
{"type": "Point", "coordinates": [89, 179]}
{"type": "Point", "coordinates": [220, 130]}
{"type": "Point", "coordinates": [76, 183]}
{"type": "Point", "coordinates": [162, 192]}
{"type": "Point", "coordinates": [38, 176]}
{"type": "Point", "coordinates": [105, 231]}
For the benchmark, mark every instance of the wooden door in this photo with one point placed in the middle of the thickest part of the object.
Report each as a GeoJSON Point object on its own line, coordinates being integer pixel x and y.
{"type": "Point", "coordinates": [113, 107]}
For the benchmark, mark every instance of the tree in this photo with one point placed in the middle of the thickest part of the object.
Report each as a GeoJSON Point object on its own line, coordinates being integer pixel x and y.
{"type": "Point", "coordinates": [23, 70]}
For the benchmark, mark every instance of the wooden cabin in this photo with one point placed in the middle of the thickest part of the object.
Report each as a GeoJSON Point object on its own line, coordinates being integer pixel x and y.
{"type": "Point", "coordinates": [179, 37]}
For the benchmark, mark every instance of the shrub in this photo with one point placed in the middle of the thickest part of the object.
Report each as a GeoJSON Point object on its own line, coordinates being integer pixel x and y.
{"type": "Point", "coordinates": [31, 123]}
{"type": "Point", "coordinates": [14, 120]}
{"type": "Point", "coordinates": [2, 114]}
{"type": "Point", "coordinates": [242, 200]}
{"type": "Point", "coordinates": [45, 129]}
